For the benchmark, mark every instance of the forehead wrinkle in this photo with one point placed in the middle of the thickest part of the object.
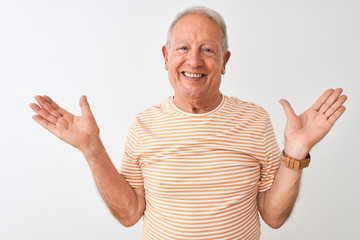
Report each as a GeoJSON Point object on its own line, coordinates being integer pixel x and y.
{"type": "Point", "coordinates": [188, 41]}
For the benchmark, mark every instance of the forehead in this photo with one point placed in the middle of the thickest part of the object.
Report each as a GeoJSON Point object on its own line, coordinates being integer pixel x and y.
{"type": "Point", "coordinates": [197, 27]}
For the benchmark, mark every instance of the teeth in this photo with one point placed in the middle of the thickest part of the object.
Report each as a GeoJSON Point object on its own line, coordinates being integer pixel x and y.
{"type": "Point", "coordinates": [192, 75]}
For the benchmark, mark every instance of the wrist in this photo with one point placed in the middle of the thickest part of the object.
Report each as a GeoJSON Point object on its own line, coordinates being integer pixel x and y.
{"type": "Point", "coordinates": [293, 163]}
{"type": "Point", "coordinates": [92, 148]}
{"type": "Point", "coordinates": [296, 151]}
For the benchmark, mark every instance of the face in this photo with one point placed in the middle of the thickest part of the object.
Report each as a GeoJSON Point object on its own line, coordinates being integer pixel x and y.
{"type": "Point", "coordinates": [195, 60]}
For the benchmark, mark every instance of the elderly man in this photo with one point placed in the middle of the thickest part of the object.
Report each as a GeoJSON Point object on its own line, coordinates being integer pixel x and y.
{"type": "Point", "coordinates": [202, 163]}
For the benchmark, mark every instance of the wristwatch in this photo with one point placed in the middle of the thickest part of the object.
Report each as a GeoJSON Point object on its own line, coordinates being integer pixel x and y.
{"type": "Point", "coordinates": [294, 163]}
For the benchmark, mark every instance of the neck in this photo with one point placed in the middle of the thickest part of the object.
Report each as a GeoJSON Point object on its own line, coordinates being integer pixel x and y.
{"type": "Point", "coordinates": [198, 106]}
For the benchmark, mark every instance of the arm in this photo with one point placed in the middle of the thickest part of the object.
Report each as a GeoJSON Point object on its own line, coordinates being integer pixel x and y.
{"type": "Point", "coordinates": [126, 204]}
{"type": "Point", "coordinates": [302, 132]}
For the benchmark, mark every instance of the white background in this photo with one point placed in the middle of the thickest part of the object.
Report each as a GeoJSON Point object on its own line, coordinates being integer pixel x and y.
{"type": "Point", "coordinates": [111, 51]}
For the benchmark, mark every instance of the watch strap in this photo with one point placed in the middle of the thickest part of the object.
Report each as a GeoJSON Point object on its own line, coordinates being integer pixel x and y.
{"type": "Point", "coordinates": [293, 163]}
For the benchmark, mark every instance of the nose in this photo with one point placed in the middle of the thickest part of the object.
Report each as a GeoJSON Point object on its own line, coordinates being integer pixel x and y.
{"type": "Point", "coordinates": [195, 59]}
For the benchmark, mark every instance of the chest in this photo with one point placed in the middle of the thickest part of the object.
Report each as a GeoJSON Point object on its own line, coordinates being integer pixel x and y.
{"type": "Point", "coordinates": [200, 158]}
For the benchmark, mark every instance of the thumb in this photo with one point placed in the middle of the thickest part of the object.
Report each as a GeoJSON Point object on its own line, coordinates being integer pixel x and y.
{"type": "Point", "coordinates": [84, 106]}
{"type": "Point", "coordinates": [289, 111]}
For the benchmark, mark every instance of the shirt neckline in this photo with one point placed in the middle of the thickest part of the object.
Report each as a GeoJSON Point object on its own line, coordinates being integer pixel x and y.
{"type": "Point", "coordinates": [223, 100]}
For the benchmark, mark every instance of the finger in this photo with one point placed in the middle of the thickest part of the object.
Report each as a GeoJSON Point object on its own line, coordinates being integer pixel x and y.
{"type": "Point", "coordinates": [55, 105]}
{"type": "Point", "coordinates": [330, 101]}
{"type": "Point", "coordinates": [320, 101]}
{"type": "Point", "coordinates": [42, 113]}
{"type": "Point", "coordinates": [289, 111]}
{"type": "Point", "coordinates": [44, 123]}
{"type": "Point", "coordinates": [47, 106]}
{"type": "Point", "coordinates": [336, 115]}
{"type": "Point", "coordinates": [84, 106]}
{"type": "Point", "coordinates": [336, 105]}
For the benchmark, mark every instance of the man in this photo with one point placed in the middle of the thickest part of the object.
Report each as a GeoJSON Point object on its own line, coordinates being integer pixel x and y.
{"type": "Point", "coordinates": [202, 163]}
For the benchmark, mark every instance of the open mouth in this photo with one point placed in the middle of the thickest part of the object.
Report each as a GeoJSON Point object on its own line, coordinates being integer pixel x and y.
{"type": "Point", "coordinates": [193, 75]}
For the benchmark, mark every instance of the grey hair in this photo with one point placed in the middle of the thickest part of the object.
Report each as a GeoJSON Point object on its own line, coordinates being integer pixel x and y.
{"type": "Point", "coordinates": [212, 14]}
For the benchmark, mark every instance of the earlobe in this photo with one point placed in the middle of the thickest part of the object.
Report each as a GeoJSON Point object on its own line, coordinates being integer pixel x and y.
{"type": "Point", "coordinates": [225, 60]}
{"type": "Point", "coordinates": [165, 55]}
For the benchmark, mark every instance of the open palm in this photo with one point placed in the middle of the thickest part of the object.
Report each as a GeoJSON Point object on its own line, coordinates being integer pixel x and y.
{"type": "Point", "coordinates": [78, 131]}
{"type": "Point", "coordinates": [307, 129]}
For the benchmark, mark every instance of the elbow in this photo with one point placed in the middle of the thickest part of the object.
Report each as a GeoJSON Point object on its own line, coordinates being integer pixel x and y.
{"type": "Point", "coordinates": [274, 216]}
{"type": "Point", "coordinates": [127, 223]}
{"type": "Point", "coordinates": [275, 224]}
{"type": "Point", "coordinates": [127, 220]}
{"type": "Point", "coordinates": [128, 211]}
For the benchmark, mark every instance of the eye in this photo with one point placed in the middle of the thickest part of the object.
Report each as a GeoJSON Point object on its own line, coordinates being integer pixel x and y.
{"type": "Point", "coordinates": [182, 49]}
{"type": "Point", "coordinates": [208, 51]}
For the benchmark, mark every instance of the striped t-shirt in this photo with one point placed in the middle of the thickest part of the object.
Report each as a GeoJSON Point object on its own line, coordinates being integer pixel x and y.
{"type": "Point", "coordinates": [201, 172]}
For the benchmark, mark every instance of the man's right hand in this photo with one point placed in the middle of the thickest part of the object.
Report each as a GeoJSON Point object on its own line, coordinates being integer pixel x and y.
{"type": "Point", "coordinates": [79, 131]}
{"type": "Point", "coordinates": [125, 203]}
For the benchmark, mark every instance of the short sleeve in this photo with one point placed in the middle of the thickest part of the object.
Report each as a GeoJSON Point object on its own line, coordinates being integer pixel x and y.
{"type": "Point", "coordinates": [271, 162]}
{"type": "Point", "coordinates": [130, 165]}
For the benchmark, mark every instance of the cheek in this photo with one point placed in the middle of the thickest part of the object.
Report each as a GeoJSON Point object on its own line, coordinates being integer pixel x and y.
{"type": "Point", "coordinates": [173, 69]}
{"type": "Point", "coordinates": [215, 67]}
{"type": "Point", "coordinates": [175, 65]}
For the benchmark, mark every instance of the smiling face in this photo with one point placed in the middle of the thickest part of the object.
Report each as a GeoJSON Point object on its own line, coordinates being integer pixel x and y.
{"type": "Point", "coordinates": [195, 60]}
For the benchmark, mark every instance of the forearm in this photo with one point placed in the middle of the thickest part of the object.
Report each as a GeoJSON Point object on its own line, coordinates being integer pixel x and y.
{"type": "Point", "coordinates": [276, 204]}
{"type": "Point", "coordinates": [125, 204]}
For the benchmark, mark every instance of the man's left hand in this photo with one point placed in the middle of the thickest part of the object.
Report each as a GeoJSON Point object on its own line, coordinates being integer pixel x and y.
{"type": "Point", "coordinates": [303, 131]}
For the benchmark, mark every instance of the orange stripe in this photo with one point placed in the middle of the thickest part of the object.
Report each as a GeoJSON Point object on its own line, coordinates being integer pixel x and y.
{"type": "Point", "coordinates": [201, 173]}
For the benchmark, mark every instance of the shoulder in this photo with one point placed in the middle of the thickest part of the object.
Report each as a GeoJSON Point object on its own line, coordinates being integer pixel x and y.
{"type": "Point", "coordinates": [154, 112]}
{"type": "Point", "coordinates": [245, 107]}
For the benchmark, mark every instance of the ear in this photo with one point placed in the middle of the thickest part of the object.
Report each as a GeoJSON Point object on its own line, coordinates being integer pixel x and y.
{"type": "Point", "coordinates": [226, 57]}
{"type": "Point", "coordinates": [165, 52]}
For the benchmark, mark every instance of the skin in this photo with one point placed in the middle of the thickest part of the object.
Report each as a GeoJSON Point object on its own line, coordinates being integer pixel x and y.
{"type": "Point", "coordinates": [196, 48]}
{"type": "Point", "coordinates": [126, 204]}
{"type": "Point", "coordinates": [302, 132]}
